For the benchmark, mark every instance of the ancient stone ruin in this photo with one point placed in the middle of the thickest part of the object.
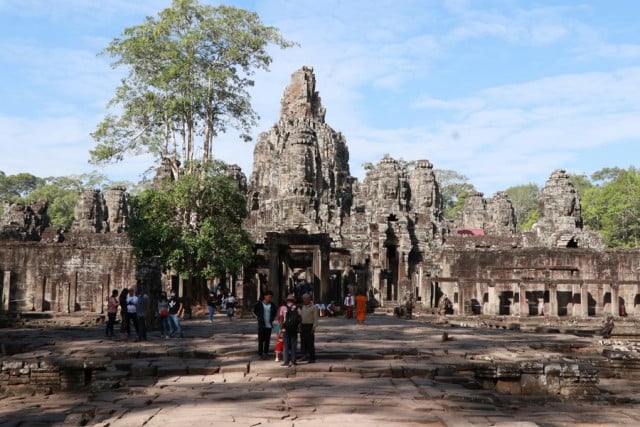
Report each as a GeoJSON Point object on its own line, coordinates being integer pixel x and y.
{"type": "Point", "coordinates": [309, 218]}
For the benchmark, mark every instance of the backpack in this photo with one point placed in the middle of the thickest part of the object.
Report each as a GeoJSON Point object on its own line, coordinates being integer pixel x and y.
{"type": "Point", "coordinates": [291, 319]}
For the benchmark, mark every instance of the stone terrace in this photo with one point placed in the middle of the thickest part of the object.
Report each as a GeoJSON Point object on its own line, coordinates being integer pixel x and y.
{"type": "Point", "coordinates": [390, 372]}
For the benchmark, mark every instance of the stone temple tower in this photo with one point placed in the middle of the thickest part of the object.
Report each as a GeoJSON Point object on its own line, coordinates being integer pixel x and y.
{"type": "Point", "coordinates": [300, 177]}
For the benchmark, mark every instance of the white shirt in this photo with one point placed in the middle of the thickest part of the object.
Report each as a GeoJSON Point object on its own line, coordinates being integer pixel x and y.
{"type": "Point", "coordinates": [348, 301]}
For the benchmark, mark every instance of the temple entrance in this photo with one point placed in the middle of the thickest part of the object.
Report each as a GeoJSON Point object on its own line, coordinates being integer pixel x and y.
{"type": "Point", "coordinates": [296, 257]}
{"type": "Point", "coordinates": [392, 272]}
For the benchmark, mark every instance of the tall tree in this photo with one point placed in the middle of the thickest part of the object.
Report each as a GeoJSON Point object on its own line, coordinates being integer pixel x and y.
{"type": "Point", "coordinates": [193, 226]}
{"type": "Point", "coordinates": [524, 199]}
{"type": "Point", "coordinates": [188, 74]}
{"type": "Point", "coordinates": [14, 187]}
{"type": "Point", "coordinates": [454, 188]}
{"type": "Point", "coordinates": [613, 208]}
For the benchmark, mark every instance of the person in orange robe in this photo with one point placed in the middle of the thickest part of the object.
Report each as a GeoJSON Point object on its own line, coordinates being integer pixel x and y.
{"type": "Point", "coordinates": [361, 307]}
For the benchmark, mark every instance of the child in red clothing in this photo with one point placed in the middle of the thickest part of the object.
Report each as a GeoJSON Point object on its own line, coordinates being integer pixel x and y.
{"type": "Point", "coordinates": [279, 343]}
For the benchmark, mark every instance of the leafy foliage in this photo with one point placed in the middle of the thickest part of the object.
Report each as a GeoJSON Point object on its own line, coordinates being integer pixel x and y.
{"type": "Point", "coordinates": [524, 199]}
{"type": "Point", "coordinates": [188, 74]}
{"type": "Point", "coordinates": [61, 192]}
{"type": "Point", "coordinates": [454, 188]}
{"type": "Point", "coordinates": [193, 226]}
{"type": "Point", "coordinates": [613, 208]}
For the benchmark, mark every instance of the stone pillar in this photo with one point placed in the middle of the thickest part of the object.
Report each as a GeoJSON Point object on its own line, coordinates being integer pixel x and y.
{"type": "Point", "coordinates": [65, 298]}
{"type": "Point", "coordinates": [600, 300]}
{"type": "Point", "coordinates": [41, 292]}
{"type": "Point", "coordinates": [515, 306]}
{"type": "Point", "coordinates": [104, 295]}
{"type": "Point", "coordinates": [615, 292]}
{"type": "Point", "coordinates": [494, 302]}
{"type": "Point", "coordinates": [461, 297]}
{"type": "Point", "coordinates": [274, 268]}
{"type": "Point", "coordinates": [6, 288]}
{"type": "Point", "coordinates": [553, 299]}
{"type": "Point", "coordinates": [523, 304]}
{"type": "Point", "coordinates": [375, 284]}
{"type": "Point", "coordinates": [73, 293]}
{"type": "Point", "coordinates": [324, 273]}
{"type": "Point", "coordinates": [584, 300]}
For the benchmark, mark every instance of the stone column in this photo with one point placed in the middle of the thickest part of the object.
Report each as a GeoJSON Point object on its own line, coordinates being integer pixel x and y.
{"type": "Point", "coordinates": [584, 300]}
{"type": "Point", "coordinates": [615, 292]}
{"type": "Point", "coordinates": [274, 268]}
{"type": "Point", "coordinates": [6, 288]}
{"type": "Point", "coordinates": [375, 284]}
{"type": "Point", "coordinates": [515, 307]}
{"type": "Point", "coordinates": [553, 299]}
{"type": "Point", "coordinates": [40, 296]}
{"type": "Point", "coordinates": [600, 300]}
{"type": "Point", "coordinates": [461, 296]}
{"type": "Point", "coordinates": [65, 298]}
{"type": "Point", "coordinates": [522, 302]}
{"type": "Point", "coordinates": [73, 293]}
{"type": "Point", "coordinates": [104, 295]}
{"type": "Point", "coordinates": [325, 270]}
{"type": "Point", "coordinates": [494, 302]}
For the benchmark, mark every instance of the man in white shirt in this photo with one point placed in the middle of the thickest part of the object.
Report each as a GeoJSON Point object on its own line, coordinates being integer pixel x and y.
{"type": "Point", "coordinates": [349, 302]}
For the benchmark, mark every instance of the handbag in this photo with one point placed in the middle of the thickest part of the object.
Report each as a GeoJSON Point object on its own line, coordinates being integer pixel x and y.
{"type": "Point", "coordinates": [164, 313]}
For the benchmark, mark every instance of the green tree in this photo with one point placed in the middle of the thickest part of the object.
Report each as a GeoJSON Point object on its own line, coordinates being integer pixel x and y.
{"type": "Point", "coordinates": [454, 188]}
{"type": "Point", "coordinates": [62, 193]}
{"type": "Point", "coordinates": [15, 187]}
{"type": "Point", "coordinates": [613, 208]}
{"type": "Point", "coordinates": [188, 74]}
{"type": "Point", "coordinates": [581, 183]}
{"type": "Point", "coordinates": [524, 199]}
{"type": "Point", "coordinates": [193, 226]}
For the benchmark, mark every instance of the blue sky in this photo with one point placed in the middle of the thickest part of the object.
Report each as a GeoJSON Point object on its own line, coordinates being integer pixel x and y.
{"type": "Point", "coordinates": [503, 92]}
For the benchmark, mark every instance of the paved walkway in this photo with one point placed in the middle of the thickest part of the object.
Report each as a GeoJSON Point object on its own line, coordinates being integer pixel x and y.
{"type": "Point", "coordinates": [389, 372]}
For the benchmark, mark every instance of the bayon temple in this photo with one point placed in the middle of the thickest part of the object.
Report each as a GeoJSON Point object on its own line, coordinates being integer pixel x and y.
{"type": "Point", "coordinates": [311, 220]}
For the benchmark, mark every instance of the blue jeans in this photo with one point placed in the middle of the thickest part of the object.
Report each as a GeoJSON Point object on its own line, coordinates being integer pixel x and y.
{"type": "Point", "coordinates": [212, 311]}
{"type": "Point", "coordinates": [165, 325]}
{"type": "Point", "coordinates": [175, 322]}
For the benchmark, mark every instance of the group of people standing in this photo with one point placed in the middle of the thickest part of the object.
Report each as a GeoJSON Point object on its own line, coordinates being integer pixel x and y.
{"type": "Point", "coordinates": [359, 303]}
{"type": "Point", "coordinates": [291, 321]}
{"type": "Point", "coordinates": [135, 308]}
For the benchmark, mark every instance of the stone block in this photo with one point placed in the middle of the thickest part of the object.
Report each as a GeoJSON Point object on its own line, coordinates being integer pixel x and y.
{"type": "Point", "coordinates": [508, 386]}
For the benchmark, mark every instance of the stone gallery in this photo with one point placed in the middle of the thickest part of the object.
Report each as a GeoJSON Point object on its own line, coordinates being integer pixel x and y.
{"type": "Point", "coordinates": [312, 221]}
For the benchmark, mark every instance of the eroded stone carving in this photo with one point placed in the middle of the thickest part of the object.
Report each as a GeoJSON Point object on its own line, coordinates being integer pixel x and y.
{"type": "Point", "coordinates": [560, 222]}
{"type": "Point", "coordinates": [23, 221]}
{"type": "Point", "coordinates": [300, 172]}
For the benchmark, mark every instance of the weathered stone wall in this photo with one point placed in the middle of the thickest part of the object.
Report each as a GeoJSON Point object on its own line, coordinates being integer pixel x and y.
{"type": "Point", "coordinates": [77, 274]}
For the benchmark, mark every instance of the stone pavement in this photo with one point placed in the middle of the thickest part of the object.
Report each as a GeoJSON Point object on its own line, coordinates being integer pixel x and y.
{"type": "Point", "coordinates": [389, 372]}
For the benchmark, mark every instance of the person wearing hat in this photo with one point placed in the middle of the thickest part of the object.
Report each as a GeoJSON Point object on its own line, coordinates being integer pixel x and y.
{"type": "Point", "coordinates": [289, 317]}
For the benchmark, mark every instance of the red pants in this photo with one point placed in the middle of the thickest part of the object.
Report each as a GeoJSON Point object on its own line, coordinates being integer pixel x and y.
{"type": "Point", "coordinates": [349, 312]}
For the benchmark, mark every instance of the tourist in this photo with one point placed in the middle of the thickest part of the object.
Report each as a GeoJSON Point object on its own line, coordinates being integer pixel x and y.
{"type": "Point", "coordinates": [308, 327]}
{"type": "Point", "coordinates": [321, 309]}
{"type": "Point", "coordinates": [112, 310]}
{"type": "Point", "coordinates": [163, 314]}
{"type": "Point", "coordinates": [361, 308]}
{"type": "Point", "coordinates": [330, 310]}
{"type": "Point", "coordinates": [211, 305]}
{"type": "Point", "coordinates": [122, 300]}
{"type": "Point", "coordinates": [142, 311]}
{"type": "Point", "coordinates": [289, 319]}
{"type": "Point", "coordinates": [176, 308]}
{"type": "Point", "coordinates": [132, 313]}
{"type": "Point", "coordinates": [265, 311]}
{"type": "Point", "coordinates": [348, 306]}
{"type": "Point", "coordinates": [231, 306]}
